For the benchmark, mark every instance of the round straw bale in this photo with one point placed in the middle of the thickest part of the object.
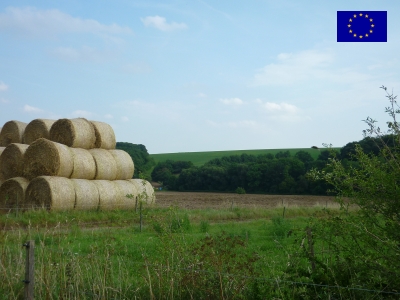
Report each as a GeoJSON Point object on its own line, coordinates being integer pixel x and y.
{"type": "Point", "coordinates": [106, 167]}
{"type": "Point", "coordinates": [125, 166]}
{"type": "Point", "coordinates": [47, 158]}
{"type": "Point", "coordinates": [12, 132]}
{"type": "Point", "coordinates": [12, 193]}
{"type": "Point", "coordinates": [76, 133]}
{"type": "Point", "coordinates": [86, 194]}
{"type": "Point", "coordinates": [126, 188]}
{"type": "Point", "coordinates": [51, 193]}
{"type": "Point", "coordinates": [11, 161]}
{"type": "Point", "coordinates": [1, 151]}
{"type": "Point", "coordinates": [36, 129]}
{"type": "Point", "coordinates": [105, 136]}
{"type": "Point", "coordinates": [145, 190]}
{"type": "Point", "coordinates": [84, 164]}
{"type": "Point", "coordinates": [108, 194]}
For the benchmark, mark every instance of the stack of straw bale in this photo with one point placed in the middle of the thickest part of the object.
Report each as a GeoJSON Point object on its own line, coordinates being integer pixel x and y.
{"type": "Point", "coordinates": [67, 164]}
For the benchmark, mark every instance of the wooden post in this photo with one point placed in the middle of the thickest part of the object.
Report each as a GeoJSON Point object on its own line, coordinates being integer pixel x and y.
{"type": "Point", "coordinates": [310, 243]}
{"type": "Point", "coordinates": [284, 208]}
{"type": "Point", "coordinates": [141, 219]}
{"type": "Point", "coordinates": [29, 270]}
{"type": "Point", "coordinates": [232, 205]}
{"type": "Point", "coordinates": [136, 204]}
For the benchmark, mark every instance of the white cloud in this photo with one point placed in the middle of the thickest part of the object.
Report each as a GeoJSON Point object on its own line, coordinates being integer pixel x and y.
{"type": "Point", "coordinates": [36, 22]}
{"type": "Point", "coordinates": [124, 119]}
{"type": "Point", "coordinates": [108, 116]}
{"type": "Point", "coordinates": [31, 109]}
{"type": "Point", "coordinates": [201, 95]}
{"type": "Point", "coordinates": [161, 23]}
{"type": "Point", "coordinates": [84, 54]}
{"type": "Point", "coordinates": [232, 101]}
{"type": "Point", "coordinates": [283, 108]}
{"type": "Point", "coordinates": [82, 113]}
{"type": "Point", "coordinates": [3, 86]}
{"type": "Point", "coordinates": [292, 68]}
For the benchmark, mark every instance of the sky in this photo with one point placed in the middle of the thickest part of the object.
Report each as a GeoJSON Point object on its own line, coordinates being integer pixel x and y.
{"type": "Point", "coordinates": [188, 76]}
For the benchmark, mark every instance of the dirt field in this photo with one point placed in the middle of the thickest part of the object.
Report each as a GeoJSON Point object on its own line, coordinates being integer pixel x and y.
{"type": "Point", "coordinates": [222, 200]}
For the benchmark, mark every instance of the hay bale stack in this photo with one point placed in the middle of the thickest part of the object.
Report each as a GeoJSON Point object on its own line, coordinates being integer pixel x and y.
{"type": "Point", "coordinates": [86, 194]}
{"type": "Point", "coordinates": [76, 133]}
{"type": "Point", "coordinates": [125, 166]}
{"type": "Point", "coordinates": [84, 164]}
{"type": "Point", "coordinates": [47, 158]}
{"type": "Point", "coordinates": [124, 188]}
{"type": "Point", "coordinates": [12, 132]}
{"type": "Point", "coordinates": [105, 136]}
{"type": "Point", "coordinates": [11, 161]}
{"type": "Point", "coordinates": [36, 129]}
{"type": "Point", "coordinates": [108, 193]}
{"type": "Point", "coordinates": [51, 193]}
{"type": "Point", "coordinates": [106, 167]}
{"type": "Point", "coordinates": [12, 193]}
{"type": "Point", "coordinates": [144, 188]}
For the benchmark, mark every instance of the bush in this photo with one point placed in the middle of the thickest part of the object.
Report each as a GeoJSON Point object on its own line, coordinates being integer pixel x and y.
{"type": "Point", "coordinates": [240, 190]}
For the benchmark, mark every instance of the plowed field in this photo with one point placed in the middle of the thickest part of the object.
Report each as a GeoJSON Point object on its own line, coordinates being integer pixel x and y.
{"type": "Point", "coordinates": [193, 200]}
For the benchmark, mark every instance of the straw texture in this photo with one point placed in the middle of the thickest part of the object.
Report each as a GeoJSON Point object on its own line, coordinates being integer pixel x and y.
{"type": "Point", "coordinates": [76, 133]}
{"type": "Point", "coordinates": [47, 158]}
{"type": "Point", "coordinates": [12, 193]}
{"type": "Point", "coordinates": [125, 166]}
{"type": "Point", "coordinates": [11, 161]}
{"type": "Point", "coordinates": [144, 188]}
{"type": "Point", "coordinates": [36, 129]}
{"type": "Point", "coordinates": [108, 193]}
{"type": "Point", "coordinates": [126, 188]}
{"type": "Point", "coordinates": [51, 193]}
{"type": "Point", "coordinates": [1, 151]}
{"type": "Point", "coordinates": [106, 167]}
{"type": "Point", "coordinates": [105, 136]}
{"type": "Point", "coordinates": [84, 164]}
{"type": "Point", "coordinates": [86, 194]}
{"type": "Point", "coordinates": [12, 132]}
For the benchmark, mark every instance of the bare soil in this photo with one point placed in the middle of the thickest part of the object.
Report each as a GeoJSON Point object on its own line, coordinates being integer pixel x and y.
{"type": "Point", "coordinates": [200, 200]}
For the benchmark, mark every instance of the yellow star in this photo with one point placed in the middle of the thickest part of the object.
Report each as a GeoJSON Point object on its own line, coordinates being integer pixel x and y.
{"type": "Point", "coordinates": [372, 25]}
{"type": "Point", "coordinates": [360, 15]}
{"type": "Point", "coordinates": [361, 36]}
{"type": "Point", "coordinates": [366, 16]}
{"type": "Point", "coordinates": [354, 35]}
{"type": "Point", "coordinates": [366, 34]}
{"type": "Point", "coordinates": [350, 20]}
{"type": "Point", "coordinates": [350, 31]}
{"type": "Point", "coordinates": [370, 31]}
{"type": "Point", "coordinates": [355, 16]}
{"type": "Point", "coordinates": [348, 25]}
{"type": "Point", "coordinates": [370, 20]}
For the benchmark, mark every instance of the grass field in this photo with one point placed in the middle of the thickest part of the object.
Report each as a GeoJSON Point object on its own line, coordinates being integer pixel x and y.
{"type": "Point", "coordinates": [200, 158]}
{"type": "Point", "coordinates": [179, 254]}
{"type": "Point", "coordinates": [229, 247]}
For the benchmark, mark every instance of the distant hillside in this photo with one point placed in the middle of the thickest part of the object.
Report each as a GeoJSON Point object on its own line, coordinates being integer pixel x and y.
{"type": "Point", "coordinates": [200, 158]}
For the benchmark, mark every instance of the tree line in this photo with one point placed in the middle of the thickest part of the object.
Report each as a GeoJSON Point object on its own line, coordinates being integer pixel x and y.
{"type": "Point", "coordinates": [282, 173]}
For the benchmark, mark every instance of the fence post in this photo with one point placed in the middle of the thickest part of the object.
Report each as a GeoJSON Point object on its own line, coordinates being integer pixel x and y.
{"type": "Point", "coordinates": [29, 270]}
{"type": "Point", "coordinates": [310, 243]}
{"type": "Point", "coordinates": [141, 218]}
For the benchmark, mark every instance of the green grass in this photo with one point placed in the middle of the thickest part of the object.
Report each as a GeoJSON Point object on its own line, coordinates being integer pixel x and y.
{"type": "Point", "coordinates": [76, 260]}
{"type": "Point", "coordinates": [200, 158]}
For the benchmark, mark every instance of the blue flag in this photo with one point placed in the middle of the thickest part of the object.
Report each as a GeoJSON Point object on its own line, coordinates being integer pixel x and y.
{"type": "Point", "coordinates": [362, 26]}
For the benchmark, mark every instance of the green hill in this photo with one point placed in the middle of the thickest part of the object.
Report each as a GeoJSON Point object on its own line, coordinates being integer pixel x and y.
{"type": "Point", "coordinates": [200, 158]}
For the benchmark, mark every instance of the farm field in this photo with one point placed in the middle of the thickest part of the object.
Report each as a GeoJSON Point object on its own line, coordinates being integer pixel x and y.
{"type": "Point", "coordinates": [200, 158]}
{"type": "Point", "coordinates": [202, 200]}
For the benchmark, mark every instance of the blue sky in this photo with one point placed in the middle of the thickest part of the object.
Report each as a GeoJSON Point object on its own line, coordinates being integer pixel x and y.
{"type": "Point", "coordinates": [182, 76]}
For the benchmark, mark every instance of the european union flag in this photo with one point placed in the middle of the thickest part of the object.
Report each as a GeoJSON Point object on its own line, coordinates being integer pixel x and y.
{"type": "Point", "coordinates": [362, 26]}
